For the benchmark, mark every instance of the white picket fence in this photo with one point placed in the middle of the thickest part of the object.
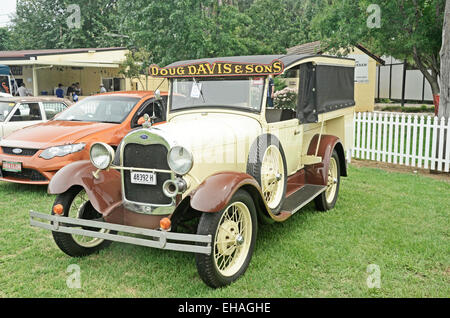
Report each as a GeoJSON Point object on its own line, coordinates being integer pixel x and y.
{"type": "Point", "coordinates": [412, 140]}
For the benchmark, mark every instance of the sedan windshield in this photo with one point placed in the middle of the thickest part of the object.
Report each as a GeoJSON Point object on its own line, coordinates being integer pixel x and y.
{"type": "Point", "coordinates": [244, 93]}
{"type": "Point", "coordinates": [104, 109]}
{"type": "Point", "coordinates": [5, 108]}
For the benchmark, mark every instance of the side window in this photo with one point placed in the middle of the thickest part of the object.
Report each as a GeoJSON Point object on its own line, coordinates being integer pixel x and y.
{"type": "Point", "coordinates": [282, 96]}
{"type": "Point", "coordinates": [153, 108]}
{"type": "Point", "coordinates": [27, 112]}
{"type": "Point", "coordinates": [53, 108]}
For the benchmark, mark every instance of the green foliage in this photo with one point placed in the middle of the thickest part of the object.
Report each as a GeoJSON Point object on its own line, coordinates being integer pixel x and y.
{"type": "Point", "coordinates": [409, 30]}
{"type": "Point", "coordinates": [279, 83]}
{"type": "Point", "coordinates": [5, 39]}
{"type": "Point", "coordinates": [285, 98]}
{"type": "Point", "coordinates": [43, 24]}
{"type": "Point", "coordinates": [283, 24]}
{"type": "Point", "coordinates": [188, 29]}
{"type": "Point", "coordinates": [136, 64]}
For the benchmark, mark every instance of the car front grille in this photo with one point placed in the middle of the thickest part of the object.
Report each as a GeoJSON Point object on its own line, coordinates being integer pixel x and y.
{"type": "Point", "coordinates": [24, 152]}
{"type": "Point", "coordinates": [24, 175]}
{"type": "Point", "coordinates": [148, 157]}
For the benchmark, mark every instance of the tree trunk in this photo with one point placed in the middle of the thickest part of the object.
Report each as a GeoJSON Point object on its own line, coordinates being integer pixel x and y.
{"type": "Point", "coordinates": [444, 104]}
{"type": "Point", "coordinates": [432, 77]}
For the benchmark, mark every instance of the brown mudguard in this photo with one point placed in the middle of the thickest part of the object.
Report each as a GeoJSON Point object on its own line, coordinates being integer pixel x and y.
{"type": "Point", "coordinates": [318, 173]}
{"type": "Point", "coordinates": [216, 191]}
{"type": "Point", "coordinates": [104, 192]}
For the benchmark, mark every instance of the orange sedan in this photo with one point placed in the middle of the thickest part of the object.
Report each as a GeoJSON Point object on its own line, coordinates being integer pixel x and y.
{"type": "Point", "coordinates": [34, 154]}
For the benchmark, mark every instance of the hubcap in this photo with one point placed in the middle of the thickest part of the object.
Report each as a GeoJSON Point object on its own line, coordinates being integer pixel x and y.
{"type": "Point", "coordinates": [272, 177]}
{"type": "Point", "coordinates": [332, 181]}
{"type": "Point", "coordinates": [233, 238]}
{"type": "Point", "coordinates": [76, 211]}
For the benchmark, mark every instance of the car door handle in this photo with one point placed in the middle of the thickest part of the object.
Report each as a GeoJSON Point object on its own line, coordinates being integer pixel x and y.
{"type": "Point", "coordinates": [296, 132]}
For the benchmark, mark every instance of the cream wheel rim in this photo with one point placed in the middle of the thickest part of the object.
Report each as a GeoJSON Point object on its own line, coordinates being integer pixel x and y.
{"type": "Point", "coordinates": [76, 207]}
{"type": "Point", "coordinates": [332, 180]}
{"type": "Point", "coordinates": [233, 239]}
{"type": "Point", "coordinates": [272, 176]}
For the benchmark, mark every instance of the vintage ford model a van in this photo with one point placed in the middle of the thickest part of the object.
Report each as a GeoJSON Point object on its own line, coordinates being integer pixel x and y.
{"type": "Point", "coordinates": [224, 160]}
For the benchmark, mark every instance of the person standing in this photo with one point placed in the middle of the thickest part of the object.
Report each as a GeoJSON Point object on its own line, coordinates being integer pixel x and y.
{"type": "Point", "coordinates": [59, 91]}
{"type": "Point", "coordinates": [78, 88]}
{"type": "Point", "coordinates": [22, 91]}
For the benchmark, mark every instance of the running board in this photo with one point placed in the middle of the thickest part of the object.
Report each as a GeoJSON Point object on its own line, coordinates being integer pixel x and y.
{"type": "Point", "coordinates": [301, 197]}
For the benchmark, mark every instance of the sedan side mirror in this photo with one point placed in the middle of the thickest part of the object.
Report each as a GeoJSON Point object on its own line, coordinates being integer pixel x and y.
{"type": "Point", "coordinates": [141, 121]}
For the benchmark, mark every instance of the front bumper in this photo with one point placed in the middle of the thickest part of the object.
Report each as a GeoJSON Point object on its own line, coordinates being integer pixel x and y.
{"type": "Point", "coordinates": [193, 243]}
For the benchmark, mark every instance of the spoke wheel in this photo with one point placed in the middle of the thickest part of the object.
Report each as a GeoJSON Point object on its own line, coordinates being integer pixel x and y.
{"type": "Point", "coordinates": [233, 237]}
{"type": "Point", "coordinates": [233, 231]}
{"type": "Point", "coordinates": [332, 180]}
{"type": "Point", "coordinates": [327, 199]}
{"type": "Point", "coordinates": [267, 164]}
{"type": "Point", "coordinates": [81, 208]}
{"type": "Point", "coordinates": [76, 204]}
{"type": "Point", "coordinates": [272, 176]}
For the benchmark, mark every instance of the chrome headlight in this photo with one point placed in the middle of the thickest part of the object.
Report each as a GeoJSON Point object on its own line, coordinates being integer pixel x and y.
{"type": "Point", "coordinates": [101, 155]}
{"type": "Point", "coordinates": [61, 151]}
{"type": "Point", "coordinates": [180, 160]}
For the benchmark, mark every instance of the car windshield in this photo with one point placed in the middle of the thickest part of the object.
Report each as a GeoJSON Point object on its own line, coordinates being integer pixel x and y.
{"type": "Point", "coordinates": [244, 93]}
{"type": "Point", "coordinates": [104, 109]}
{"type": "Point", "coordinates": [5, 108]}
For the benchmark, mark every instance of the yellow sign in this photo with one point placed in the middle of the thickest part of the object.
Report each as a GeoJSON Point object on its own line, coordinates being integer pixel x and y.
{"type": "Point", "coordinates": [218, 69]}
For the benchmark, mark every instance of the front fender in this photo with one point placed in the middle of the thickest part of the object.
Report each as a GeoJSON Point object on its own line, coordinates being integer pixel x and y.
{"type": "Point", "coordinates": [216, 191]}
{"type": "Point", "coordinates": [104, 193]}
{"type": "Point", "coordinates": [214, 194]}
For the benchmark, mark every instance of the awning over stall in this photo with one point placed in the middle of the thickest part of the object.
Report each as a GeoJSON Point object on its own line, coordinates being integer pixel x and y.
{"type": "Point", "coordinates": [4, 70]}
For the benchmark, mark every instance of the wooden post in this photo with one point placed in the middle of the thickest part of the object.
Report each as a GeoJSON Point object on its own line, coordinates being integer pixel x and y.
{"type": "Point", "coordinates": [404, 83]}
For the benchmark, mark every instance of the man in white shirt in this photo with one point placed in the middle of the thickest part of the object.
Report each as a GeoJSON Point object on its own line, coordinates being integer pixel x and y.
{"type": "Point", "coordinates": [23, 90]}
{"type": "Point", "coordinates": [102, 88]}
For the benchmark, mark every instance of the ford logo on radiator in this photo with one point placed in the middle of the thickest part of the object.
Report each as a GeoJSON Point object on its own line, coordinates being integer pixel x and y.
{"type": "Point", "coordinates": [144, 137]}
{"type": "Point", "coordinates": [17, 151]}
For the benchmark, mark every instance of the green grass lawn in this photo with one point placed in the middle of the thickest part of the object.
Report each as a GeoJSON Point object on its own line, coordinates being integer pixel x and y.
{"type": "Point", "coordinates": [399, 222]}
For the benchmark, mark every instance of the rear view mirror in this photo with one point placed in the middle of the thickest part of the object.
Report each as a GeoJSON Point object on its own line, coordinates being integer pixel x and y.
{"type": "Point", "coordinates": [158, 95]}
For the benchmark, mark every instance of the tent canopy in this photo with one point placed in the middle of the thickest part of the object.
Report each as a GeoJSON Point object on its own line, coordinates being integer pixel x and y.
{"type": "Point", "coordinates": [4, 70]}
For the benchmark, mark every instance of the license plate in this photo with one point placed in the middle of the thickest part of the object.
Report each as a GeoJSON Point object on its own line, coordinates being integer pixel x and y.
{"type": "Point", "coordinates": [148, 178]}
{"type": "Point", "coordinates": [12, 166]}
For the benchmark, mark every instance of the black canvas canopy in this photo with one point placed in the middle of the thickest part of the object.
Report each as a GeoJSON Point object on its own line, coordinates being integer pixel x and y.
{"type": "Point", "coordinates": [324, 88]}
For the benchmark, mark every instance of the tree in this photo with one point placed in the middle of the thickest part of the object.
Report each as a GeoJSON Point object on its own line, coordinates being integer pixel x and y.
{"type": "Point", "coordinates": [408, 30]}
{"type": "Point", "coordinates": [5, 39]}
{"type": "Point", "coordinates": [190, 29]}
{"type": "Point", "coordinates": [444, 106]}
{"type": "Point", "coordinates": [283, 24]}
{"type": "Point", "coordinates": [49, 24]}
{"type": "Point", "coordinates": [136, 64]}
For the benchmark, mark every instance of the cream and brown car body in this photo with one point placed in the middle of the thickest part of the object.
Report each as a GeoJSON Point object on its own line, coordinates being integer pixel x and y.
{"type": "Point", "coordinates": [225, 146]}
